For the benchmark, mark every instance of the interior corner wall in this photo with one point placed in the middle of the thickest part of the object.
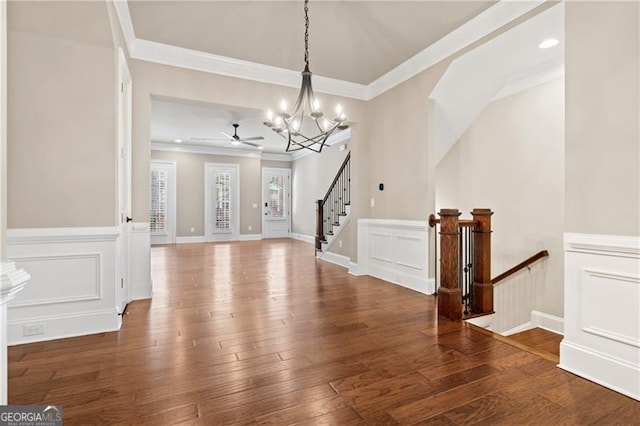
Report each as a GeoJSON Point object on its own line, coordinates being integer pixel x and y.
{"type": "Point", "coordinates": [402, 153]}
{"type": "Point", "coordinates": [190, 190]}
{"type": "Point", "coordinates": [603, 118]}
{"type": "Point", "coordinates": [61, 133]}
{"type": "Point", "coordinates": [512, 160]}
{"type": "Point", "coordinates": [311, 176]}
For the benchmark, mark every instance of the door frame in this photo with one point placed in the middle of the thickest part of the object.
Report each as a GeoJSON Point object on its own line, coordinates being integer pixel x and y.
{"type": "Point", "coordinates": [172, 197]}
{"type": "Point", "coordinates": [287, 203]}
{"type": "Point", "coordinates": [123, 155]}
{"type": "Point", "coordinates": [234, 235]}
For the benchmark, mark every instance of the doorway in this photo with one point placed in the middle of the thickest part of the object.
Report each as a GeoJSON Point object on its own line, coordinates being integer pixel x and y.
{"type": "Point", "coordinates": [276, 202]}
{"type": "Point", "coordinates": [221, 202]}
{"type": "Point", "coordinates": [162, 214]}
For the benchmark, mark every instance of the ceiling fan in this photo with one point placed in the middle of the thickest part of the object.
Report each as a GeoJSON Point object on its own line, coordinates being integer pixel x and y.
{"type": "Point", "coordinates": [234, 139]}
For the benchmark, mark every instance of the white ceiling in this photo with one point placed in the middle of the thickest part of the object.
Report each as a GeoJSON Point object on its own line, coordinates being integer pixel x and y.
{"type": "Point", "coordinates": [185, 120]}
{"type": "Point", "coordinates": [356, 41]}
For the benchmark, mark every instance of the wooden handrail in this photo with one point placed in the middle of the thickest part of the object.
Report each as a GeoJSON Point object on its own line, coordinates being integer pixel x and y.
{"type": "Point", "coordinates": [519, 266]}
{"type": "Point", "coordinates": [433, 222]}
{"type": "Point", "coordinates": [344, 164]}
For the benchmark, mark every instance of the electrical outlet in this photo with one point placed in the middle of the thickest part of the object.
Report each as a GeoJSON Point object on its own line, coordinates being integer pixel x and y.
{"type": "Point", "coordinates": [250, 227]}
{"type": "Point", "coordinates": [33, 329]}
{"type": "Point", "coordinates": [193, 229]}
{"type": "Point", "coordinates": [340, 243]}
{"type": "Point", "coordinates": [373, 202]}
{"type": "Point", "coordinates": [254, 205]}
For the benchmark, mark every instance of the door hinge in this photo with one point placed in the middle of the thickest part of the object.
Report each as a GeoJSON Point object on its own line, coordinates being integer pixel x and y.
{"type": "Point", "coordinates": [121, 87]}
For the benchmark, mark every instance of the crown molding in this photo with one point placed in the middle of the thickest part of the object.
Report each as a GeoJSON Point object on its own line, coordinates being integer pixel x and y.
{"type": "Point", "coordinates": [212, 150]}
{"type": "Point", "coordinates": [486, 22]}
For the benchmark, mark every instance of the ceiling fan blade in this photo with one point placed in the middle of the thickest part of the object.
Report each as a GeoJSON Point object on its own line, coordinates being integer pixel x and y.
{"type": "Point", "coordinates": [227, 136]}
{"type": "Point", "coordinates": [249, 143]}
{"type": "Point", "coordinates": [255, 138]}
{"type": "Point", "coordinates": [207, 139]}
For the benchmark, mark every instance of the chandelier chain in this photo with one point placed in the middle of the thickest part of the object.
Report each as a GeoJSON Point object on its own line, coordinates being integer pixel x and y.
{"type": "Point", "coordinates": [306, 32]}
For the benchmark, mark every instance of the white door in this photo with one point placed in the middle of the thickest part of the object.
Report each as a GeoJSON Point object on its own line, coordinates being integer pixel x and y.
{"type": "Point", "coordinates": [162, 215]}
{"type": "Point", "coordinates": [276, 218]}
{"type": "Point", "coordinates": [124, 181]}
{"type": "Point", "coordinates": [221, 202]}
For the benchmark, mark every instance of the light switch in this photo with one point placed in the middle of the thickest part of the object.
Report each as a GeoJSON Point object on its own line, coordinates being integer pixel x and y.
{"type": "Point", "coordinates": [254, 205]}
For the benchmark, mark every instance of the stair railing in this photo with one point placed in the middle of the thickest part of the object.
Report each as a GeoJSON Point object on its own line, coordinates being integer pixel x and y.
{"type": "Point", "coordinates": [465, 263]}
{"type": "Point", "coordinates": [334, 203]}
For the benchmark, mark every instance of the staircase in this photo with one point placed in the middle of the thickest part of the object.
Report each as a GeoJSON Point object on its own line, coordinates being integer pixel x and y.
{"type": "Point", "coordinates": [333, 211]}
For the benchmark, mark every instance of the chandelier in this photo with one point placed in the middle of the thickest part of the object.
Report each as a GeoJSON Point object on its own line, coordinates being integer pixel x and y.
{"type": "Point", "coordinates": [305, 126]}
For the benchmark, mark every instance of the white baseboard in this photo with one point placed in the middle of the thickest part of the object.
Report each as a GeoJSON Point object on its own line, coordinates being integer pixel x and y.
{"type": "Point", "coordinates": [613, 373]}
{"type": "Point", "coordinates": [62, 326]}
{"type": "Point", "coordinates": [250, 237]}
{"type": "Point", "coordinates": [355, 269]}
{"type": "Point", "coordinates": [410, 281]}
{"type": "Point", "coordinates": [337, 259]}
{"type": "Point", "coordinates": [483, 321]}
{"type": "Point", "coordinates": [518, 329]}
{"type": "Point", "coordinates": [548, 322]}
{"type": "Point", "coordinates": [187, 240]}
{"type": "Point", "coordinates": [306, 238]}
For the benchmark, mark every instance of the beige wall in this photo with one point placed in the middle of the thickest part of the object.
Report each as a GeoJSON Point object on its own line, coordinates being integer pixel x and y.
{"type": "Point", "coordinates": [311, 177]}
{"type": "Point", "coordinates": [61, 133]}
{"type": "Point", "coordinates": [402, 152]}
{"type": "Point", "coordinates": [512, 161]}
{"type": "Point", "coordinates": [190, 190]}
{"type": "Point", "coordinates": [602, 117]}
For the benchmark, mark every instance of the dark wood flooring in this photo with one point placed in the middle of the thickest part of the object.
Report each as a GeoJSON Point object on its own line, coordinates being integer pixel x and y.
{"type": "Point", "coordinates": [262, 333]}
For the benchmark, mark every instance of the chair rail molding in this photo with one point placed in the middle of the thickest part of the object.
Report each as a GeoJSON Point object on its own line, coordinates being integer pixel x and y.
{"type": "Point", "coordinates": [602, 310]}
{"type": "Point", "coordinates": [395, 251]}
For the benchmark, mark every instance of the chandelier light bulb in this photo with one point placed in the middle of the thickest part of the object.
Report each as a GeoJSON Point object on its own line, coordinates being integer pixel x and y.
{"type": "Point", "coordinates": [305, 114]}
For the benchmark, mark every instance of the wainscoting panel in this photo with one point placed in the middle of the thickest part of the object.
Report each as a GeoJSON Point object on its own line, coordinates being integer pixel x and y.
{"type": "Point", "coordinates": [395, 251]}
{"type": "Point", "coordinates": [72, 290]}
{"type": "Point", "coordinates": [140, 286]}
{"type": "Point", "coordinates": [602, 311]}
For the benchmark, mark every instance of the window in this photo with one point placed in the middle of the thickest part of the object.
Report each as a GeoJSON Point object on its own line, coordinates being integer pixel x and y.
{"type": "Point", "coordinates": [222, 197]}
{"type": "Point", "coordinates": [158, 214]}
{"type": "Point", "coordinates": [275, 197]}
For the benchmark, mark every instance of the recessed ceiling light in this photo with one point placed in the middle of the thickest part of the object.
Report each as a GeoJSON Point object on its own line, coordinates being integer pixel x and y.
{"type": "Point", "coordinates": [550, 42]}
{"type": "Point", "coordinates": [177, 140]}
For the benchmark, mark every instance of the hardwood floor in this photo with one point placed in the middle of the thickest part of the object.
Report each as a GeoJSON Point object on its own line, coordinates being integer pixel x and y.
{"type": "Point", "coordinates": [261, 332]}
{"type": "Point", "coordinates": [541, 340]}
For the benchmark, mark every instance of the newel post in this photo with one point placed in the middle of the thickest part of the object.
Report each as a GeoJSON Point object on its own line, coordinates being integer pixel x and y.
{"type": "Point", "coordinates": [482, 287]}
{"type": "Point", "coordinates": [449, 294]}
{"type": "Point", "coordinates": [319, 223]}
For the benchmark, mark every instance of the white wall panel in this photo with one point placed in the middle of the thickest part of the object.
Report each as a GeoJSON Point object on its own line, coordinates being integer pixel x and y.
{"type": "Point", "coordinates": [73, 283]}
{"type": "Point", "coordinates": [395, 251]}
{"type": "Point", "coordinates": [140, 262]}
{"type": "Point", "coordinates": [602, 311]}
